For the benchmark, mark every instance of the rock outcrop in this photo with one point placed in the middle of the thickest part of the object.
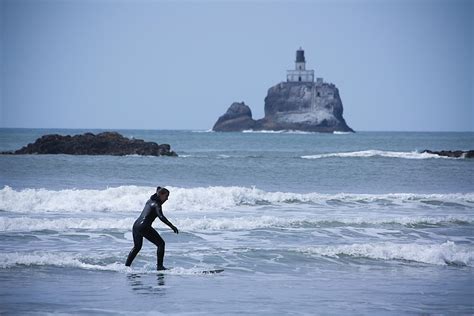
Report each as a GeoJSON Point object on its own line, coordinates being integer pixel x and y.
{"type": "Point", "coordinates": [304, 106]}
{"type": "Point", "coordinates": [237, 118]}
{"type": "Point", "coordinates": [452, 154]}
{"type": "Point", "coordinates": [107, 143]}
{"type": "Point", "coordinates": [308, 106]}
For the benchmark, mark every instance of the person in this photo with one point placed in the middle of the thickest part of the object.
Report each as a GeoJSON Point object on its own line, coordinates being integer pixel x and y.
{"type": "Point", "coordinates": [142, 227]}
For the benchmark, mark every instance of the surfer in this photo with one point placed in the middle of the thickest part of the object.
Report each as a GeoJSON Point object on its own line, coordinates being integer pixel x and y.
{"type": "Point", "coordinates": [142, 227]}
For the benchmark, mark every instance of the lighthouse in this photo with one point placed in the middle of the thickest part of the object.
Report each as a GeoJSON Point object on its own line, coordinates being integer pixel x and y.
{"type": "Point", "coordinates": [300, 74]}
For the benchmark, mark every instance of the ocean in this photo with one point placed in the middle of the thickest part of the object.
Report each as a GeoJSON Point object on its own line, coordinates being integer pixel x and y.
{"type": "Point", "coordinates": [301, 223]}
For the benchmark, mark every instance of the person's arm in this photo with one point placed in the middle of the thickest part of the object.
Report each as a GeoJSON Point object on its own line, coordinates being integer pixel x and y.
{"type": "Point", "coordinates": [162, 217]}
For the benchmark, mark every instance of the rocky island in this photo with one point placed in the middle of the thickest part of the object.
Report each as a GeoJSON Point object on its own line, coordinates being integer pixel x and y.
{"type": "Point", "coordinates": [106, 143]}
{"type": "Point", "coordinates": [300, 103]}
{"type": "Point", "coordinates": [451, 153]}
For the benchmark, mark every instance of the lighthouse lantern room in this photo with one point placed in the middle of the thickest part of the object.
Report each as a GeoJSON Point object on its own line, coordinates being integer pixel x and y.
{"type": "Point", "coordinates": [300, 74]}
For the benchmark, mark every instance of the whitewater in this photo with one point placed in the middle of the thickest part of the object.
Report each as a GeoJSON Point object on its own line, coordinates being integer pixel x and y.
{"type": "Point", "coordinates": [301, 223]}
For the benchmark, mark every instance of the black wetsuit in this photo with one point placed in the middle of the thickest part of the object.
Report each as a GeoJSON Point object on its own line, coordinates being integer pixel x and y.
{"type": "Point", "coordinates": [142, 228]}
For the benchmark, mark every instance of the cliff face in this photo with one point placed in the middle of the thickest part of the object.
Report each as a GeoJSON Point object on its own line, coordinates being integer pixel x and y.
{"type": "Point", "coordinates": [305, 106]}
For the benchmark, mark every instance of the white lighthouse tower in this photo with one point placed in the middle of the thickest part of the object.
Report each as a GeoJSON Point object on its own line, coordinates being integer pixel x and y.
{"type": "Point", "coordinates": [300, 74]}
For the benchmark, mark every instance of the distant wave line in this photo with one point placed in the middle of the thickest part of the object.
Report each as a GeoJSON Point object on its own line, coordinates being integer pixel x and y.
{"type": "Point", "coordinates": [278, 132]}
{"type": "Point", "coordinates": [377, 153]}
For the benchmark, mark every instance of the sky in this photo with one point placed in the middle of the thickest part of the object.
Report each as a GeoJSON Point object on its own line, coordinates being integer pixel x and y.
{"type": "Point", "coordinates": [399, 65]}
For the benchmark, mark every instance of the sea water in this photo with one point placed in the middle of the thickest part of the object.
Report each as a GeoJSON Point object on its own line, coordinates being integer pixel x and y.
{"type": "Point", "coordinates": [301, 223]}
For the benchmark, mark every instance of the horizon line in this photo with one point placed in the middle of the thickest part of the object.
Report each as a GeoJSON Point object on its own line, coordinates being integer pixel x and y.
{"type": "Point", "coordinates": [210, 129]}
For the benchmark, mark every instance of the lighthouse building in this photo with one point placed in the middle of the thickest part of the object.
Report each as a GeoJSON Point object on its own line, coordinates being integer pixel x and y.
{"type": "Point", "coordinates": [300, 74]}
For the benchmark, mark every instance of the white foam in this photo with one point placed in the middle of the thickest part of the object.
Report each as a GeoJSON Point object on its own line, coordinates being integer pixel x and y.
{"type": "Point", "coordinates": [244, 223]}
{"type": "Point", "coordinates": [438, 254]}
{"type": "Point", "coordinates": [132, 199]}
{"type": "Point", "coordinates": [203, 131]}
{"type": "Point", "coordinates": [447, 253]}
{"type": "Point", "coordinates": [26, 224]}
{"type": "Point", "coordinates": [64, 259]}
{"type": "Point", "coordinates": [193, 156]}
{"type": "Point", "coordinates": [142, 156]}
{"type": "Point", "coordinates": [259, 222]}
{"type": "Point", "coordinates": [277, 132]}
{"type": "Point", "coordinates": [124, 198]}
{"type": "Point", "coordinates": [377, 153]}
{"type": "Point", "coordinates": [71, 260]}
{"type": "Point", "coordinates": [189, 271]}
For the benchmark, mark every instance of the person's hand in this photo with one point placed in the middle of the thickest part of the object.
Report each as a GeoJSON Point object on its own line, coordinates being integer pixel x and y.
{"type": "Point", "coordinates": [175, 229]}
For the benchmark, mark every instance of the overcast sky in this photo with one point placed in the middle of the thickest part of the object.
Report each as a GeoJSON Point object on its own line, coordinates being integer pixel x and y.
{"type": "Point", "coordinates": [399, 65]}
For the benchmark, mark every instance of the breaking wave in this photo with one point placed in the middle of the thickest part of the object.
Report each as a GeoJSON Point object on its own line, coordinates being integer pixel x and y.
{"type": "Point", "coordinates": [377, 153]}
{"type": "Point", "coordinates": [447, 253]}
{"type": "Point", "coordinates": [8, 260]}
{"type": "Point", "coordinates": [26, 224]}
{"type": "Point", "coordinates": [98, 262]}
{"type": "Point", "coordinates": [131, 199]}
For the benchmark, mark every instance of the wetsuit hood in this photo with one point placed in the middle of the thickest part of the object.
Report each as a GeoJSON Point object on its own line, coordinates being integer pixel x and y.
{"type": "Point", "coordinates": [156, 199]}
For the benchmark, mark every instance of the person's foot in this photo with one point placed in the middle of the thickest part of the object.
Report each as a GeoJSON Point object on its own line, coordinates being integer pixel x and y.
{"type": "Point", "coordinates": [161, 268]}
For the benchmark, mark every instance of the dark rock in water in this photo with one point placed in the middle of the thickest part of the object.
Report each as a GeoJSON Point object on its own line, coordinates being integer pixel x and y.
{"type": "Point", "coordinates": [107, 143]}
{"type": "Point", "coordinates": [237, 118]}
{"type": "Point", "coordinates": [452, 154]}
{"type": "Point", "coordinates": [303, 106]}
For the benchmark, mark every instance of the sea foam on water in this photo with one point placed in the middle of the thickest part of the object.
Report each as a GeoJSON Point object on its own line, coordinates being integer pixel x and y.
{"type": "Point", "coordinates": [217, 198]}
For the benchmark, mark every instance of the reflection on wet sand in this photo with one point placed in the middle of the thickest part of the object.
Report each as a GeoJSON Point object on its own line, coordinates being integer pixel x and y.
{"type": "Point", "coordinates": [147, 284]}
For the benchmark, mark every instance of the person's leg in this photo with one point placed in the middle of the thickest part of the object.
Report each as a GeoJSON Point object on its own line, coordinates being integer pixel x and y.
{"type": "Point", "coordinates": [137, 245]}
{"type": "Point", "coordinates": [153, 236]}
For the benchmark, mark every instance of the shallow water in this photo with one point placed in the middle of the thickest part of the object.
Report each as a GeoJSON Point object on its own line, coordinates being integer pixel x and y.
{"type": "Point", "coordinates": [338, 287]}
